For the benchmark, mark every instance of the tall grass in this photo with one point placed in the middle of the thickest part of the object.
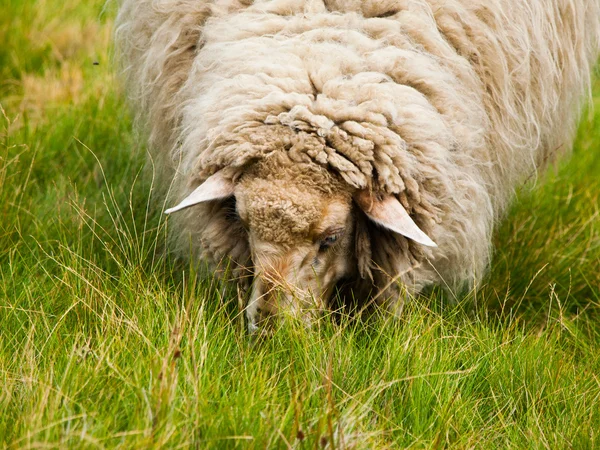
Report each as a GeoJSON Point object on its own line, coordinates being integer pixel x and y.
{"type": "Point", "coordinates": [106, 342]}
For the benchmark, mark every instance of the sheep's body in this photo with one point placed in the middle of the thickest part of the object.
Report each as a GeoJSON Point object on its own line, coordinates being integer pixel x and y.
{"type": "Point", "coordinates": [449, 104]}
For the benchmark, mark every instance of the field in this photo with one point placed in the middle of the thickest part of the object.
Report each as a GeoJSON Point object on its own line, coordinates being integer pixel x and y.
{"type": "Point", "coordinates": [106, 342]}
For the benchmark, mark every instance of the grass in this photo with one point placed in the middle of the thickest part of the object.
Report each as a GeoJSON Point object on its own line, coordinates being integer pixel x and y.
{"type": "Point", "coordinates": [105, 342]}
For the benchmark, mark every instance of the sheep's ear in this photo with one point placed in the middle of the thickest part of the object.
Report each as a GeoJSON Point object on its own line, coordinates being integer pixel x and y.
{"type": "Point", "coordinates": [215, 187]}
{"type": "Point", "coordinates": [389, 213]}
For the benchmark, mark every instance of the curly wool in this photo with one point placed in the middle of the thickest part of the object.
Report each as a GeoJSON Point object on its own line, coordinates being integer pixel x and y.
{"type": "Point", "coordinates": [449, 104]}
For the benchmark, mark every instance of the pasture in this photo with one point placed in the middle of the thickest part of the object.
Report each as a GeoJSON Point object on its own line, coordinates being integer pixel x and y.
{"type": "Point", "coordinates": [105, 341]}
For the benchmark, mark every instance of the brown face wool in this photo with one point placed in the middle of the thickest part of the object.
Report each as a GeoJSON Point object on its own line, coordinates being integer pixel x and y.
{"type": "Point", "coordinates": [377, 141]}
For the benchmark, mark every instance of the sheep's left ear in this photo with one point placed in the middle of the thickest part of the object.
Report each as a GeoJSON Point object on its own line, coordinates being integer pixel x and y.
{"type": "Point", "coordinates": [389, 213]}
{"type": "Point", "coordinates": [216, 187]}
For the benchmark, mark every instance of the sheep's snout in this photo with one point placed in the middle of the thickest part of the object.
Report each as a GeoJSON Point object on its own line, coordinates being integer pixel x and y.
{"type": "Point", "coordinates": [267, 299]}
{"type": "Point", "coordinates": [272, 299]}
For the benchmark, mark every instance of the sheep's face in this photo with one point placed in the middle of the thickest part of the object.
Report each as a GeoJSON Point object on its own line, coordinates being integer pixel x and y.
{"type": "Point", "coordinates": [300, 223]}
{"type": "Point", "coordinates": [301, 240]}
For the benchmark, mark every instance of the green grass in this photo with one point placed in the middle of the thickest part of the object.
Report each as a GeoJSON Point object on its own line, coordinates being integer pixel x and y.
{"type": "Point", "coordinates": [105, 342]}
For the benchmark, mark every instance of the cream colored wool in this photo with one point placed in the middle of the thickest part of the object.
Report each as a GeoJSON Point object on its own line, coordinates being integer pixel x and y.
{"type": "Point", "coordinates": [449, 104]}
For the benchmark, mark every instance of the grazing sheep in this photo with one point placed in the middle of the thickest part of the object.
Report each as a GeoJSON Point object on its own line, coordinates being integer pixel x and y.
{"type": "Point", "coordinates": [375, 141]}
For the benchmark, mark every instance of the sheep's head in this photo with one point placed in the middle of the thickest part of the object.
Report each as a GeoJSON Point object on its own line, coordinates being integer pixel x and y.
{"type": "Point", "coordinates": [300, 221]}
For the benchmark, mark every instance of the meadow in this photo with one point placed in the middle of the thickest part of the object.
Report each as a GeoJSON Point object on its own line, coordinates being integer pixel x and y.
{"type": "Point", "coordinates": [107, 342]}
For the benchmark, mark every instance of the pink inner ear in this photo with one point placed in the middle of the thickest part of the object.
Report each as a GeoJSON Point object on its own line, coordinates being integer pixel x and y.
{"type": "Point", "coordinates": [216, 187]}
{"type": "Point", "coordinates": [390, 214]}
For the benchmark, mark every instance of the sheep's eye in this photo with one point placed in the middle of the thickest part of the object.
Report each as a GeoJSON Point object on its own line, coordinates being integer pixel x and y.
{"type": "Point", "coordinates": [328, 241]}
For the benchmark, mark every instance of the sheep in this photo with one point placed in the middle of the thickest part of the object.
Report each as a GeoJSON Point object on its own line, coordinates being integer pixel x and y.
{"type": "Point", "coordinates": [375, 143]}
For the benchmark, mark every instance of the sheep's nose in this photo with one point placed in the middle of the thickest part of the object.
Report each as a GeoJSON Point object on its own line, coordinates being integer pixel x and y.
{"type": "Point", "coordinates": [264, 304]}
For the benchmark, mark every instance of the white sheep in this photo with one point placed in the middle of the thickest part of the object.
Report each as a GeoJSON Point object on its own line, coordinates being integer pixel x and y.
{"type": "Point", "coordinates": [374, 141]}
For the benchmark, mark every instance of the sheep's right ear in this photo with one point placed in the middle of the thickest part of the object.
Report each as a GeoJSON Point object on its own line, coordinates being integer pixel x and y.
{"type": "Point", "coordinates": [389, 213]}
{"type": "Point", "coordinates": [216, 187]}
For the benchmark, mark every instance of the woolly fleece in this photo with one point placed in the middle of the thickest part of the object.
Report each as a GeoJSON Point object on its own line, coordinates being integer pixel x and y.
{"type": "Point", "coordinates": [448, 104]}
